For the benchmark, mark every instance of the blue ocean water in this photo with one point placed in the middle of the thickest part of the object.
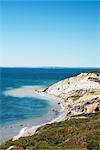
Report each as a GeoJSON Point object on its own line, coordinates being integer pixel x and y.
{"type": "Point", "coordinates": [16, 109]}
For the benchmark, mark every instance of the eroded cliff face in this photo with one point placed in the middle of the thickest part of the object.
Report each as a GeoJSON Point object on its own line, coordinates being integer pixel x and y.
{"type": "Point", "coordinates": [81, 94]}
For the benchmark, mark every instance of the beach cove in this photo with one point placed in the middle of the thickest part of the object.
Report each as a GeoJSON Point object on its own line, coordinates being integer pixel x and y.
{"type": "Point", "coordinates": [24, 84]}
{"type": "Point", "coordinates": [28, 127]}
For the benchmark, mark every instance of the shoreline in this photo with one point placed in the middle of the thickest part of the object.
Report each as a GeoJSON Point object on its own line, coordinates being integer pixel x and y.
{"type": "Point", "coordinates": [30, 131]}
{"type": "Point", "coordinates": [22, 129]}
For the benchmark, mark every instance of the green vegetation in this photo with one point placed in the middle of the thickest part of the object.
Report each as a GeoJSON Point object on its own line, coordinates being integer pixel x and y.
{"type": "Point", "coordinates": [95, 72]}
{"type": "Point", "coordinates": [94, 79]}
{"type": "Point", "coordinates": [81, 133]}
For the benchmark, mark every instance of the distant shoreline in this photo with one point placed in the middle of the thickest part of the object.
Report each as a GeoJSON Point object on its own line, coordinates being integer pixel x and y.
{"type": "Point", "coordinates": [48, 67]}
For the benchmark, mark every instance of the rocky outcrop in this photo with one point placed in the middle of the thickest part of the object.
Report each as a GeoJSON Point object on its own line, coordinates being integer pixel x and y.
{"type": "Point", "coordinates": [80, 94]}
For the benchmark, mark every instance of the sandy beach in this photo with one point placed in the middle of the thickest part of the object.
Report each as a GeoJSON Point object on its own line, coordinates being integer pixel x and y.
{"type": "Point", "coordinates": [75, 101]}
{"type": "Point", "coordinates": [28, 127]}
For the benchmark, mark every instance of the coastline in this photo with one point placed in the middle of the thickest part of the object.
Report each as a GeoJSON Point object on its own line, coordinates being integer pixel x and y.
{"type": "Point", "coordinates": [71, 99]}
{"type": "Point", "coordinates": [29, 127]}
{"type": "Point", "coordinates": [30, 131]}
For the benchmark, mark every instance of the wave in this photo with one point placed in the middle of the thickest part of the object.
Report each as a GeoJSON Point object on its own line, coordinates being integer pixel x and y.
{"type": "Point", "coordinates": [28, 131]}
{"type": "Point", "coordinates": [28, 91]}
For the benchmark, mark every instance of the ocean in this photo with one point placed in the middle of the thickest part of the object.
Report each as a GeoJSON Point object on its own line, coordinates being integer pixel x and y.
{"type": "Point", "coordinates": [15, 109]}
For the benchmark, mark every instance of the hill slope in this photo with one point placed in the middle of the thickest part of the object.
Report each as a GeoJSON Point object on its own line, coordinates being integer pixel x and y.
{"type": "Point", "coordinates": [76, 133]}
{"type": "Point", "coordinates": [80, 96]}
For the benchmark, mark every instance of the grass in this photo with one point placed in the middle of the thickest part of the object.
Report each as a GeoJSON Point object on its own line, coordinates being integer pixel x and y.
{"type": "Point", "coordinates": [81, 133]}
{"type": "Point", "coordinates": [94, 79]}
{"type": "Point", "coordinates": [95, 72]}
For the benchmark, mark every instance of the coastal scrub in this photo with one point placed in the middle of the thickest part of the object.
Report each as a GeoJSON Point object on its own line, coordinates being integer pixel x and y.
{"type": "Point", "coordinates": [80, 132]}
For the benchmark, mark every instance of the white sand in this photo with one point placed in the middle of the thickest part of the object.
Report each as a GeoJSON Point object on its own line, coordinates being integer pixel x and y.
{"type": "Point", "coordinates": [29, 127]}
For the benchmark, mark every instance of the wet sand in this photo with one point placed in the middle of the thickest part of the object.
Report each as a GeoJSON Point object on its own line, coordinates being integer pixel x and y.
{"type": "Point", "coordinates": [28, 127]}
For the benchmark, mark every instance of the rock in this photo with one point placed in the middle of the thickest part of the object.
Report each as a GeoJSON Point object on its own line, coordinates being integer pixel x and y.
{"type": "Point", "coordinates": [80, 94]}
{"type": "Point", "coordinates": [79, 84]}
{"type": "Point", "coordinates": [92, 108]}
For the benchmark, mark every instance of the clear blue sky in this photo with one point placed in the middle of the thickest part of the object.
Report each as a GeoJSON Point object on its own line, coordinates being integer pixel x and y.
{"type": "Point", "coordinates": [48, 33]}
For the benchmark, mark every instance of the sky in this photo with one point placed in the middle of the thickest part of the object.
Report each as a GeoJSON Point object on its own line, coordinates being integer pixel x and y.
{"type": "Point", "coordinates": [49, 33]}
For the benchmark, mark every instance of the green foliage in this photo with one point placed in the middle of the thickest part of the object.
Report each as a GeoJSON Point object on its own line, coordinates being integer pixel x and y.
{"type": "Point", "coordinates": [94, 79]}
{"type": "Point", "coordinates": [95, 72]}
{"type": "Point", "coordinates": [81, 133]}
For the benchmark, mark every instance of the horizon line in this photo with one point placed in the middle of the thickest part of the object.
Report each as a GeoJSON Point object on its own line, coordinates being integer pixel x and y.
{"type": "Point", "coordinates": [46, 67]}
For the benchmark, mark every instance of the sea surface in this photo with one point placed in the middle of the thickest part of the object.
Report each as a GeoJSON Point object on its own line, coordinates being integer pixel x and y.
{"type": "Point", "coordinates": [14, 109]}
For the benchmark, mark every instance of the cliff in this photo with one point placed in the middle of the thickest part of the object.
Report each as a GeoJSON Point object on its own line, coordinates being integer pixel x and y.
{"type": "Point", "coordinates": [80, 94]}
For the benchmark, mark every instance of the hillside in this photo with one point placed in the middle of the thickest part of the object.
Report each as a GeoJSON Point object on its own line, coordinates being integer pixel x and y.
{"type": "Point", "coordinates": [76, 133]}
{"type": "Point", "coordinates": [80, 94]}
{"type": "Point", "coordinates": [80, 128]}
